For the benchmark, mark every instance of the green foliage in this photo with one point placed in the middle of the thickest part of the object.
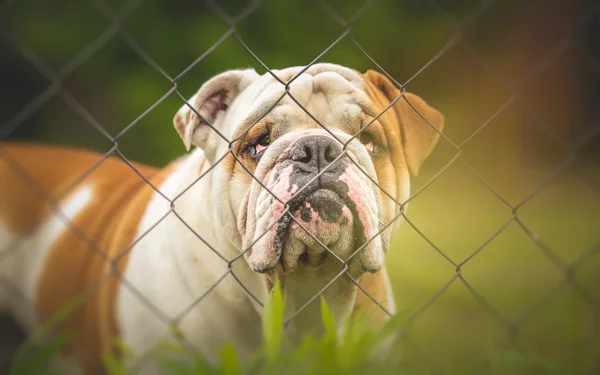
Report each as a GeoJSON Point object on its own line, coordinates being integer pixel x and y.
{"type": "Point", "coordinates": [36, 359]}
{"type": "Point", "coordinates": [354, 349]}
{"type": "Point", "coordinates": [273, 322]}
{"type": "Point", "coordinates": [113, 365]}
{"type": "Point", "coordinates": [115, 85]}
{"type": "Point", "coordinates": [36, 355]}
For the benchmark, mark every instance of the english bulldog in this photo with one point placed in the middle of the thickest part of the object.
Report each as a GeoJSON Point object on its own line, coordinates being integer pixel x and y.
{"type": "Point", "coordinates": [301, 186]}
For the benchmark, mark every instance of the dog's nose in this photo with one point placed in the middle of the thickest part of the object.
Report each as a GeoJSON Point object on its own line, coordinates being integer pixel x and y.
{"type": "Point", "coordinates": [317, 151]}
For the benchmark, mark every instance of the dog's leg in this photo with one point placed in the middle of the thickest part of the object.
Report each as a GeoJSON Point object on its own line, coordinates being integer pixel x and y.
{"type": "Point", "coordinates": [375, 299]}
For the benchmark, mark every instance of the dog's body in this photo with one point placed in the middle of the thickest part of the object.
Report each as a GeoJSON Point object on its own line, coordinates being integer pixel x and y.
{"type": "Point", "coordinates": [135, 266]}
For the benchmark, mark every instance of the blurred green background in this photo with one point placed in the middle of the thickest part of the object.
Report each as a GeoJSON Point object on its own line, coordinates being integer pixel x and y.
{"type": "Point", "coordinates": [527, 70]}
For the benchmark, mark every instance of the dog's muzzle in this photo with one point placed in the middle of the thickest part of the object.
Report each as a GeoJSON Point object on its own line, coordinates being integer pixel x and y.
{"type": "Point", "coordinates": [326, 210]}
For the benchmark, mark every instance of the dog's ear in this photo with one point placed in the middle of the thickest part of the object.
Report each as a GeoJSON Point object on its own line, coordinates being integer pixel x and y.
{"type": "Point", "coordinates": [419, 138]}
{"type": "Point", "coordinates": [211, 100]}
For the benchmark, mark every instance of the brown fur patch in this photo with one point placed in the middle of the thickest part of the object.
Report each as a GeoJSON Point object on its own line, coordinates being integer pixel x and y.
{"type": "Point", "coordinates": [374, 284]}
{"type": "Point", "coordinates": [73, 267]}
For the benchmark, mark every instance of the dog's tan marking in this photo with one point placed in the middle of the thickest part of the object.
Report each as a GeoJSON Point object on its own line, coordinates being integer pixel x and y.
{"type": "Point", "coordinates": [401, 123]}
{"type": "Point", "coordinates": [376, 286]}
{"type": "Point", "coordinates": [411, 138]}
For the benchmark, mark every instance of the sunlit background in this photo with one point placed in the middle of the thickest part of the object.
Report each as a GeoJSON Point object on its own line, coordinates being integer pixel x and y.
{"type": "Point", "coordinates": [518, 81]}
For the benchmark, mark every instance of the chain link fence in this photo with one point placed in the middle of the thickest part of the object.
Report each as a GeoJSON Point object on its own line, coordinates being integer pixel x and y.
{"type": "Point", "coordinates": [569, 34]}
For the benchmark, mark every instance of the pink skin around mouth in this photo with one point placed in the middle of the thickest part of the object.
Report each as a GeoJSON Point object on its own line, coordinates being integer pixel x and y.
{"type": "Point", "coordinates": [356, 193]}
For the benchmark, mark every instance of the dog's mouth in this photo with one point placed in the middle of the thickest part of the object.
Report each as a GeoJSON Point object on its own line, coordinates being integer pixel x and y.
{"type": "Point", "coordinates": [324, 206]}
{"type": "Point", "coordinates": [313, 261]}
{"type": "Point", "coordinates": [323, 223]}
{"type": "Point", "coordinates": [319, 204]}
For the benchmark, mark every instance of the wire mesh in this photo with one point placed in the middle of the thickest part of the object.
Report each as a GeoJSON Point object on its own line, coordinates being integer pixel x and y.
{"type": "Point", "coordinates": [116, 29]}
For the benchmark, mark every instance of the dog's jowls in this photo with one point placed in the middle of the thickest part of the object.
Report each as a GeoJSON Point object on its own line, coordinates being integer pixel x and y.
{"type": "Point", "coordinates": [279, 191]}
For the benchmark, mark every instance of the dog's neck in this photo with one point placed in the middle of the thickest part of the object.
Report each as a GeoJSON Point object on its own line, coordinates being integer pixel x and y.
{"type": "Point", "coordinates": [197, 203]}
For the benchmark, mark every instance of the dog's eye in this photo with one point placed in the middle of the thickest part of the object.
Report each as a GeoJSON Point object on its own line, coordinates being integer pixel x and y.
{"type": "Point", "coordinates": [261, 144]}
{"type": "Point", "coordinates": [369, 142]}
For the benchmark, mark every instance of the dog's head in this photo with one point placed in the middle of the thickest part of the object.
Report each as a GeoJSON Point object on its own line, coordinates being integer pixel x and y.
{"type": "Point", "coordinates": [294, 186]}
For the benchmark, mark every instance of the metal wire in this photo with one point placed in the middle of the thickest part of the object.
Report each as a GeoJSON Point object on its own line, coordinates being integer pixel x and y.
{"type": "Point", "coordinates": [116, 29]}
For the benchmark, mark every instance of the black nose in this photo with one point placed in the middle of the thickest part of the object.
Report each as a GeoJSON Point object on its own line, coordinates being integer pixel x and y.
{"type": "Point", "coordinates": [317, 151]}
